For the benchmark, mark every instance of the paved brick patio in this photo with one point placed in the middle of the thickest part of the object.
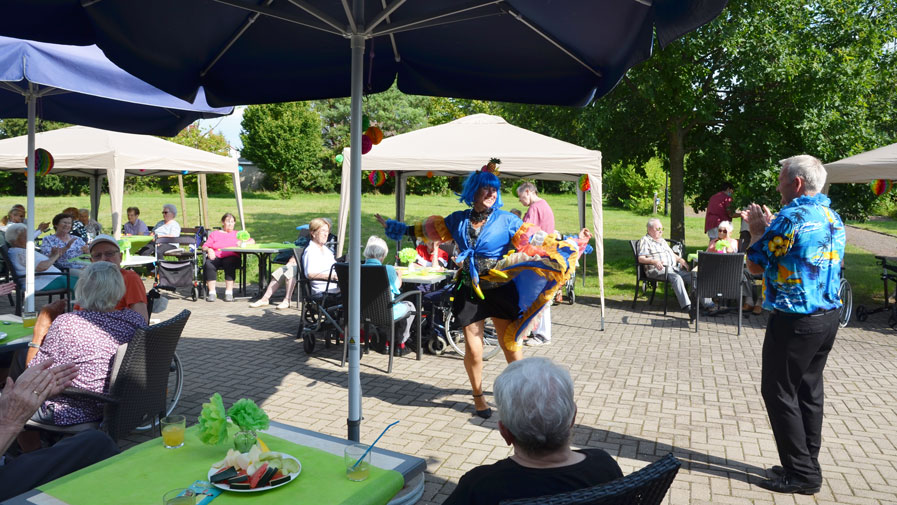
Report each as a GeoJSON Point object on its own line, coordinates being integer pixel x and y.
{"type": "Point", "coordinates": [646, 386]}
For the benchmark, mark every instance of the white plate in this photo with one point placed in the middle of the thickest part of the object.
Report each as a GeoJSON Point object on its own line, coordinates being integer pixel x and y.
{"type": "Point", "coordinates": [226, 487]}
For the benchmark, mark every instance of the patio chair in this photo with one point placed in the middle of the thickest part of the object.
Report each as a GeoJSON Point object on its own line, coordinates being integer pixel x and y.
{"type": "Point", "coordinates": [720, 276]}
{"type": "Point", "coordinates": [642, 281]}
{"type": "Point", "coordinates": [376, 304]}
{"type": "Point", "coordinates": [20, 283]}
{"type": "Point", "coordinates": [647, 486]}
{"type": "Point", "coordinates": [138, 382]}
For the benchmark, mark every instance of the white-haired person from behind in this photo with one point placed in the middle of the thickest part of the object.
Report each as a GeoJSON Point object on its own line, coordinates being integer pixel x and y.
{"type": "Point", "coordinates": [537, 412]}
{"type": "Point", "coordinates": [375, 253]}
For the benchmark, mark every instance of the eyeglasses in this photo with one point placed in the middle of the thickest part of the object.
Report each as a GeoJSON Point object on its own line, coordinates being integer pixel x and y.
{"type": "Point", "coordinates": [165, 212]}
{"type": "Point", "coordinates": [722, 230]}
{"type": "Point", "coordinates": [97, 256]}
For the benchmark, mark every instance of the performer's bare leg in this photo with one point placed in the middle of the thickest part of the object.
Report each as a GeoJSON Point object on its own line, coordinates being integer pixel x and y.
{"type": "Point", "coordinates": [473, 361]}
{"type": "Point", "coordinates": [500, 326]}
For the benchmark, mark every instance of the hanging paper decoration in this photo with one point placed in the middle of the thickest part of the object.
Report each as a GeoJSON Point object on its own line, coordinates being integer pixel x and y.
{"type": "Point", "coordinates": [366, 144]}
{"type": "Point", "coordinates": [584, 184]}
{"type": "Point", "coordinates": [377, 178]}
{"type": "Point", "coordinates": [365, 122]}
{"type": "Point", "coordinates": [241, 168]}
{"type": "Point", "coordinates": [338, 158]}
{"type": "Point", "coordinates": [375, 134]}
{"type": "Point", "coordinates": [43, 162]}
{"type": "Point", "coordinates": [430, 174]}
{"type": "Point", "coordinates": [881, 186]}
{"type": "Point", "coordinates": [185, 172]}
{"type": "Point", "coordinates": [392, 173]}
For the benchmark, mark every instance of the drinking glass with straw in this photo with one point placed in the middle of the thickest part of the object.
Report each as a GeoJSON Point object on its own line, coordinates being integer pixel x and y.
{"type": "Point", "coordinates": [357, 465]}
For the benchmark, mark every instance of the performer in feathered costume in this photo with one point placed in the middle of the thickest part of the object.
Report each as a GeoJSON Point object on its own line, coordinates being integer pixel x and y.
{"type": "Point", "coordinates": [509, 269]}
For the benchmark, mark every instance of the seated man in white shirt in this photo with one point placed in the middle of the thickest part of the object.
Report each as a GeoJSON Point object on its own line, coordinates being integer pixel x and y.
{"type": "Point", "coordinates": [662, 263]}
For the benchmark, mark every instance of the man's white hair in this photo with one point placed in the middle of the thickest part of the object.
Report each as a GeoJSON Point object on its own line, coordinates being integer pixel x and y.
{"type": "Point", "coordinates": [808, 168]}
{"type": "Point", "coordinates": [653, 223]}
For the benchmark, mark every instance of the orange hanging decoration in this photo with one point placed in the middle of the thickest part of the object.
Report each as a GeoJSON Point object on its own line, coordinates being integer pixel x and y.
{"type": "Point", "coordinates": [375, 134]}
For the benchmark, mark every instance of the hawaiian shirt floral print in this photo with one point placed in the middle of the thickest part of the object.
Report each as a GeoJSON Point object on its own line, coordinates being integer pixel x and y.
{"type": "Point", "coordinates": [801, 253]}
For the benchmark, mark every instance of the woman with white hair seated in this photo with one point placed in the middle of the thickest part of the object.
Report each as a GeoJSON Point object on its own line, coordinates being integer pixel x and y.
{"type": "Point", "coordinates": [166, 228]}
{"type": "Point", "coordinates": [724, 241]}
{"type": "Point", "coordinates": [375, 252]}
{"type": "Point", "coordinates": [17, 238]}
{"type": "Point", "coordinates": [537, 412]}
{"type": "Point", "coordinates": [89, 338]}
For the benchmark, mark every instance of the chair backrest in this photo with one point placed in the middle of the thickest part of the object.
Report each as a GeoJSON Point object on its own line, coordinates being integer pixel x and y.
{"type": "Point", "coordinates": [376, 298]}
{"type": "Point", "coordinates": [720, 274]}
{"type": "Point", "coordinates": [141, 380]}
{"type": "Point", "coordinates": [640, 274]}
{"type": "Point", "coordinates": [13, 275]}
{"type": "Point", "coordinates": [647, 486]}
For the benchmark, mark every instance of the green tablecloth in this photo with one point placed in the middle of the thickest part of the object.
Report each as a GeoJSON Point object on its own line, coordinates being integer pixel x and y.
{"type": "Point", "coordinates": [267, 245]}
{"type": "Point", "coordinates": [142, 474]}
{"type": "Point", "coordinates": [138, 241]}
{"type": "Point", "coordinates": [14, 331]}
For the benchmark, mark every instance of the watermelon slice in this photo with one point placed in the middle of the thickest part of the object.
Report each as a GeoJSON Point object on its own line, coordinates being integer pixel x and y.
{"type": "Point", "coordinates": [223, 475]}
{"type": "Point", "coordinates": [279, 479]}
{"type": "Point", "coordinates": [267, 477]}
{"type": "Point", "coordinates": [254, 480]}
{"type": "Point", "coordinates": [240, 485]}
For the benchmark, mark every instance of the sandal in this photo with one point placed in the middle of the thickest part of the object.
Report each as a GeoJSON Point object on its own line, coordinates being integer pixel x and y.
{"type": "Point", "coordinates": [485, 413]}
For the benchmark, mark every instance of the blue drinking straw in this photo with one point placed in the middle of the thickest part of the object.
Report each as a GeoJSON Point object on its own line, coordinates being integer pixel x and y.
{"type": "Point", "coordinates": [372, 445]}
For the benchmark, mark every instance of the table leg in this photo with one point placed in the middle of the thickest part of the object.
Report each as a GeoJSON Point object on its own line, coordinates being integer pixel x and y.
{"type": "Point", "coordinates": [243, 275]}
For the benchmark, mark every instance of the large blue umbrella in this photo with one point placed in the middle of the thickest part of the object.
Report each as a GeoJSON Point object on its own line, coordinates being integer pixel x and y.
{"type": "Point", "coordinates": [531, 51]}
{"type": "Point", "coordinates": [78, 84]}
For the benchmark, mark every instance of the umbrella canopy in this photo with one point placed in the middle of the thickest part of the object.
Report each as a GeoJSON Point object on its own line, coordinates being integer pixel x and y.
{"type": "Point", "coordinates": [80, 85]}
{"type": "Point", "coordinates": [530, 51]}
{"type": "Point", "coordinates": [878, 163]}
{"type": "Point", "coordinates": [89, 152]}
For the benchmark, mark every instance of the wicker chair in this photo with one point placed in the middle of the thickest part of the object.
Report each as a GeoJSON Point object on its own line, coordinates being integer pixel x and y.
{"type": "Point", "coordinates": [376, 304]}
{"type": "Point", "coordinates": [647, 486]}
{"type": "Point", "coordinates": [20, 283]}
{"type": "Point", "coordinates": [720, 275]}
{"type": "Point", "coordinates": [137, 384]}
{"type": "Point", "coordinates": [642, 281]}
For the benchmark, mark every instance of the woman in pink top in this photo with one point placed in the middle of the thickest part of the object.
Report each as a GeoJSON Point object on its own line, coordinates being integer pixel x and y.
{"type": "Point", "coordinates": [216, 258]}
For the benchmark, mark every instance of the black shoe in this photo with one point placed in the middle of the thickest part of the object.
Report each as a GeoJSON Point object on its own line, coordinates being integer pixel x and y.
{"type": "Point", "coordinates": [776, 470]}
{"type": "Point", "coordinates": [485, 413]}
{"type": "Point", "coordinates": [785, 484]}
{"type": "Point", "coordinates": [692, 313]}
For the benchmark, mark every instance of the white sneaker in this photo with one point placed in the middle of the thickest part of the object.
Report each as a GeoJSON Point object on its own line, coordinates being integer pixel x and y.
{"type": "Point", "coordinates": [283, 305]}
{"type": "Point", "coordinates": [536, 340]}
{"type": "Point", "coordinates": [258, 303]}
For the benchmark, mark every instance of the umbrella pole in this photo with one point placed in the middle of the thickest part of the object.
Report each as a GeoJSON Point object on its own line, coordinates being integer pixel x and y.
{"type": "Point", "coordinates": [352, 337]}
{"type": "Point", "coordinates": [31, 98]}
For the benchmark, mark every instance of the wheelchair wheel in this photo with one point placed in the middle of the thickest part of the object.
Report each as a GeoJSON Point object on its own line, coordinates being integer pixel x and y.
{"type": "Point", "coordinates": [455, 337]}
{"type": "Point", "coordinates": [845, 293]}
{"type": "Point", "coordinates": [172, 392]}
{"type": "Point", "coordinates": [437, 345]}
{"type": "Point", "coordinates": [308, 342]}
{"type": "Point", "coordinates": [195, 293]}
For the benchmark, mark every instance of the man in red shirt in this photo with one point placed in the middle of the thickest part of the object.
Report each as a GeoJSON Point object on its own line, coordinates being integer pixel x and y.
{"type": "Point", "coordinates": [719, 209]}
{"type": "Point", "coordinates": [539, 213]}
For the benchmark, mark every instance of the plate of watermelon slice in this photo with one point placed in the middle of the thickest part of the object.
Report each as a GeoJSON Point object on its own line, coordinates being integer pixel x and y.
{"type": "Point", "coordinates": [254, 471]}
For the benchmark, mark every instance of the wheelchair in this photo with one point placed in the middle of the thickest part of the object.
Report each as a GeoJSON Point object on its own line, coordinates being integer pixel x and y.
{"type": "Point", "coordinates": [320, 312]}
{"type": "Point", "coordinates": [888, 273]}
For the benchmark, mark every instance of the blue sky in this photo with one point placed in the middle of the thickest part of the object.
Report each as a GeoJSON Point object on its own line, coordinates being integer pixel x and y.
{"type": "Point", "coordinates": [229, 126]}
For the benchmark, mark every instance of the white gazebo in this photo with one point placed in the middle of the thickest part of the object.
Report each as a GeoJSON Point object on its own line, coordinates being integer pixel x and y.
{"type": "Point", "coordinates": [464, 145]}
{"type": "Point", "coordinates": [90, 152]}
{"type": "Point", "coordinates": [878, 163]}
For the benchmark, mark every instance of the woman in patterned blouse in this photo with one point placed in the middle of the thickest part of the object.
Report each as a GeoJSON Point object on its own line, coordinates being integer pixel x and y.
{"type": "Point", "coordinates": [62, 223]}
{"type": "Point", "coordinates": [88, 338]}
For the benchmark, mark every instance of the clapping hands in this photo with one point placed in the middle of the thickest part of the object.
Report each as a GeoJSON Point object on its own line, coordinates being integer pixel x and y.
{"type": "Point", "coordinates": [758, 218]}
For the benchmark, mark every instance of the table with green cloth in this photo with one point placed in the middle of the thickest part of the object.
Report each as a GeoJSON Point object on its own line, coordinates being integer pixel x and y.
{"type": "Point", "coordinates": [17, 336]}
{"type": "Point", "coordinates": [142, 474]}
{"type": "Point", "coordinates": [424, 275]}
{"type": "Point", "coordinates": [263, 251]}
{"type": "Point", "coordinates": [137, 241]}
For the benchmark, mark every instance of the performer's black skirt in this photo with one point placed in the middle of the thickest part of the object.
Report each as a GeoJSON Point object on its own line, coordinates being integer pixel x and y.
{"type": "Point", "coordinates": [500, 302]}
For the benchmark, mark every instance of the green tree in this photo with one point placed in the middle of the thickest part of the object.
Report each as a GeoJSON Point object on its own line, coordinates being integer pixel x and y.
{"type": "Point", "coordinates": [284, 140]}
{"type": "Point", "coordinates": [766, 80]}
{"type": "Point", "coordinates": [193, 136]}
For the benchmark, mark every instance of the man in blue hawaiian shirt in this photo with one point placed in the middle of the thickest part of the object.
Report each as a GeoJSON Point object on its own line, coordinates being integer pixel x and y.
{"type": "Point", "coordinates": [799, 253]}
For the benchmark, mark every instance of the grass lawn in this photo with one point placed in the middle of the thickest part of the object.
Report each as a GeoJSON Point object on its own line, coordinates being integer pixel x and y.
{"type": "Point", "coordinates": [886, 226]}
{"type": "Point", "coordinates": [270, 219]}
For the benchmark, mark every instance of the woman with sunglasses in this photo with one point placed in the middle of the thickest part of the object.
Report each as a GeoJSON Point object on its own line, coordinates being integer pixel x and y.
{"type": "Point", "coordinates": [724, 242]}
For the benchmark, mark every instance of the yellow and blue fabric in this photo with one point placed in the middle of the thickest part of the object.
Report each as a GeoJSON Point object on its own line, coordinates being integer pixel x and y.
{"type": "Point", "coordinates": [801, 253]}
{"type": "Point", "coordinates": [535, 262]}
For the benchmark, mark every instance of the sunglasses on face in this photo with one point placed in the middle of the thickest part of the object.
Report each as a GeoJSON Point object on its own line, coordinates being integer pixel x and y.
{"type": "Point", "coordinates": [722, 230]}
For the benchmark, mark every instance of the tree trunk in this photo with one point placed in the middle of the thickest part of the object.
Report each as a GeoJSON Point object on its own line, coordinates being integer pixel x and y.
{"type": "Point", "coordinates": [677, 183]}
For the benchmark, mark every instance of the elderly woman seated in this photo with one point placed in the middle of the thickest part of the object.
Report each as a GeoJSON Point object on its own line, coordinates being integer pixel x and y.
{"type": "Point", "coordinates": [65, 241]}
{"type": "Point", "coordinates": [375, 252]}
{"type": "Point", "coordinates": [88, 338]}
{"type": "Point", "coordinates": [535, 403]}
{"type": "Point", "coordinates": [316, 263]}
{"type": "Point", "coordinates": [168, 227]}
{"type": "Point", "coordinates": [17, 237]}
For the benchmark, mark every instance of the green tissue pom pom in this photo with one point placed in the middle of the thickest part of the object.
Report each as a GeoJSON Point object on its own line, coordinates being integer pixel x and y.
{"type": "Point", "coordinates": [213, 421]}
{"type": "Point", "coordinates": [242, 235]}
{"type": "Point", "coordinates": [247, 415]}
{"type": "Point", "coordinates": [407, 255]}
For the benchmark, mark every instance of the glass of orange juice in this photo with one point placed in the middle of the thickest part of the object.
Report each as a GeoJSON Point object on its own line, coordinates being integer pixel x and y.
{"type": "Point", "coordinates": [28, 319]}
{"type": "Point", "coordinates": [173, 431]}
